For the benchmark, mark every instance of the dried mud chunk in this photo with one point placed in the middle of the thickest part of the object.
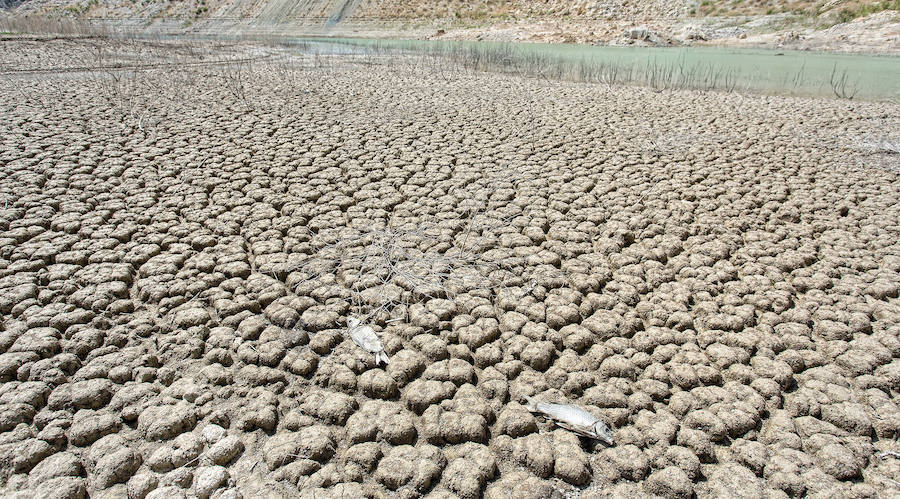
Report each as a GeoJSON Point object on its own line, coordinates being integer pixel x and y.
{"type": "Point", "coordinates": [522, 485]}
{"type": "Point", "coordinates": [333, 408]}
{"type": "Point", "coordinates": [57, 465]}
{"type": "Point", "coordinates": [708, 423]}
{"type": "Point", "coordinates": [538, 355]}
{"type": "Point", "coordinates": [628, 462]}
{"type": "Point", "coordinates": [270, 353]}
{"type": "Point", "coordinates": [515, 421]}
{"type": "Point", "coordinates": [365, 455]}
{"type": "Point", "coordinates": [13, 414]}
{"type": "Point", "coordinates": [259, 375]}
{"type": "Point", "coordinates": [64, 487]}
{"type": "Point", "coordinates": [64, 321]}
{"type": "Point", "coordinates": [234, 269]}
{"type": "Point", "coordinates": [190, 317]}
{"type": "Point", "coordinates": [420, 316]}
{"type": "Point", "coordinates": [88, 426]}
{"type": "Point", "coordinates": [422, 393]}
{"type": "Point", "coordinates": [217, 374]}
{"type": "Point", "coordinates": [753, 455]}
{"type": "Point", "coordinates": [536, 452]}
{"type": "Point", "coordinates": [167, 492]}
{"type": "Point", "coordinates": [313, 442]}
{"type": "Point", "coordinates": [418, 467]}
{"type": "Point", "coordinates": [285, 311]}
{"type": "Point", "coordinates": [319, 318]}
{"type": "Point", "coordinates": [457, 371]}
{"type": "Point", "coordinates": [185, 448]}
{"type": "Point", "coordinates": [405, 366]}
{"type": "Point", "coordinates": [618, 366]}
{"type": "Point", "coordinates": [131, 399]}
{"type": "Point", "coordinates": [734, 480]}
{"type": "Point", "coordinates": [251, 327]}
{"type": "Point", "coordinates": [683, 376]}
{"type": "Point", "coordinates": [44, 341]}
{"type": "Point", "coordinates": [327, 476]}
{"type": "Point", "coordinates": [487, 355]}
{"type": "Point", "coordinates": [698, 442]}
{"type": "Point", "coordinates": [838, 461]}
{"type": "Point", "coordinates": [475, 335]}
{"type": "Point", "coordinates": [33, 393]}
{"type": "Point", "coordinates": [660, 426]}
{"type": "Point", "coordinates": [605, 324]}
{"type": "Point", "coordinates": [376, 383]}
{"type": "Point", "coordinates": [684, 459]}
{"type": "Point", "coordinates": [779, 429]}
{"type": "Point", "coordinates": [301, 363]}
{"type": "Point", "coordinates": [434, 347]}
{"type": "Point", "coordinates": [571, 464]}
{"type": "Point", "coordinates": [670, 482]}
{"type": "Point", "coordinates": [382, 420]}
{"type": "Point", "coordinates": [16, 294]}
{"type": "Point", "coordinates": [559, 316]}
{"type": "Point", "coordinates": [164, 422]}
{"type": "Point", "coordinates": [470, 467]}
{"type": "Point", "coordinates": [324, 341]}
{"type": "Point", "coordinates": [657, 390]}
{"type": "Point", "coordinates": [808, 426]}
{"type": "Point", "coordinates": [11, 362]}
{"type": "Point", "coordinates": [574, 337]}
{"type": "Point", "coordinates": [90, 394]}
{"type": "Point", "coordinates": [297, 471]}
{"type": "Point", "coordinates": [444, 309]}
{"type": "Point", "coordinates": [260, 413]}
{"type": "Point", "coordinates": [223, 451]}
{"type": "Point", "coordinates": [207, 479]}
{"type": "Point", "coordinates": [26, 454]}
{"type": "Point", "coordinates": [605, 396]}
{"type": "Point", "coordinates": [849, 416]}
{"type": "Point", "coordinates": [450, 427]}
{"type": "Point", "coordinates": [109, 461]}
{"type": "Point", "coordinates": [832, 330]}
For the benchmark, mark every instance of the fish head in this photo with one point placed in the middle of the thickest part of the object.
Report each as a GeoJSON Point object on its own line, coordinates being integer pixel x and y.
{"type": "Point", "coordinates": [603, 433]}
{"type": "Point", "coordinates": [352, 322]}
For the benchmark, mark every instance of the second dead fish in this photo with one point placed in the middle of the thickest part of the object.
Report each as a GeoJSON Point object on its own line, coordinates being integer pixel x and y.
{"type": "Point", "coordinates": [366, 338]}
{"type": "Point", "coordinates": [573, 418]}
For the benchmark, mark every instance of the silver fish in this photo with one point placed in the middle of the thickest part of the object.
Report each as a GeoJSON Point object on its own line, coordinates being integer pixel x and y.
{"type": "Point", "coordinates": [365, 338]}
{"type": "Point", "coordinates": [573, 418]}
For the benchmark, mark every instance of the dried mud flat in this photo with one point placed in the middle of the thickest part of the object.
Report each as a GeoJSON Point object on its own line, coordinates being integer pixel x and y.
{"type": "Point", "coordinates": [714, 275]}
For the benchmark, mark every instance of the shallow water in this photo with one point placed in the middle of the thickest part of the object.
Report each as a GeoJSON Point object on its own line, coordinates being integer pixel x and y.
{"type": "Point", "coordinates": [869, 77]}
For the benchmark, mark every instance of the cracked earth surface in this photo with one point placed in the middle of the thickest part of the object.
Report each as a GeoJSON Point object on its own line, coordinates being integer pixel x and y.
{"type": "Point", "coordinates": [713, 275]}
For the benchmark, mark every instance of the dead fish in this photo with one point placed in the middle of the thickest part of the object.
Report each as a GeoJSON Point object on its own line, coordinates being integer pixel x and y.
{"type": "Point", "coordinates": [573, 418]}
{"type": "Point", "coordinates": [365, 338]}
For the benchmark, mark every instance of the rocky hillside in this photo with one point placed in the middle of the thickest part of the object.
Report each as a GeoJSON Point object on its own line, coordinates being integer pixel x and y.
{"type": "Point", "coordinates": [449, 10]}
{"type": "Point", "coordinates": [845, 25]}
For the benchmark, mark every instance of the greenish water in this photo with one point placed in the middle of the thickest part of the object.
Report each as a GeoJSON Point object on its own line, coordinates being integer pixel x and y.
{"type": "Point", "coordinates": [867, 77]}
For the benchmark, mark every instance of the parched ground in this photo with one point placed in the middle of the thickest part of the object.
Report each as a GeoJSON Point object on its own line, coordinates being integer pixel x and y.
{"type": "Point", "coordinates": [182, 241]}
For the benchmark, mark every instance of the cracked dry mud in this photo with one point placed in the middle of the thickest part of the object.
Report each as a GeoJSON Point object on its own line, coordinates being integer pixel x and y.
{"type": "Point", "coordinates": [715, 275]}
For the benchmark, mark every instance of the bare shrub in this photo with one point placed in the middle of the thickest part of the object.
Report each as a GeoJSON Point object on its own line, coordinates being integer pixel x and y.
{"type": "Point", "coordinates": [841, 84]}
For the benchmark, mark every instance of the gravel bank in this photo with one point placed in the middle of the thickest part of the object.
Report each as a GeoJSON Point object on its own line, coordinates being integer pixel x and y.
{"type": "Point", "coordinates": [714, 275]}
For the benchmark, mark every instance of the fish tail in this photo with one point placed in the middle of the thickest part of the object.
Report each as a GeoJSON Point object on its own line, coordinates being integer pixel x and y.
{"type": "Point", "coordinates": [381, 357]}
{"type": "Point", "coordinates": [530, 404]}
